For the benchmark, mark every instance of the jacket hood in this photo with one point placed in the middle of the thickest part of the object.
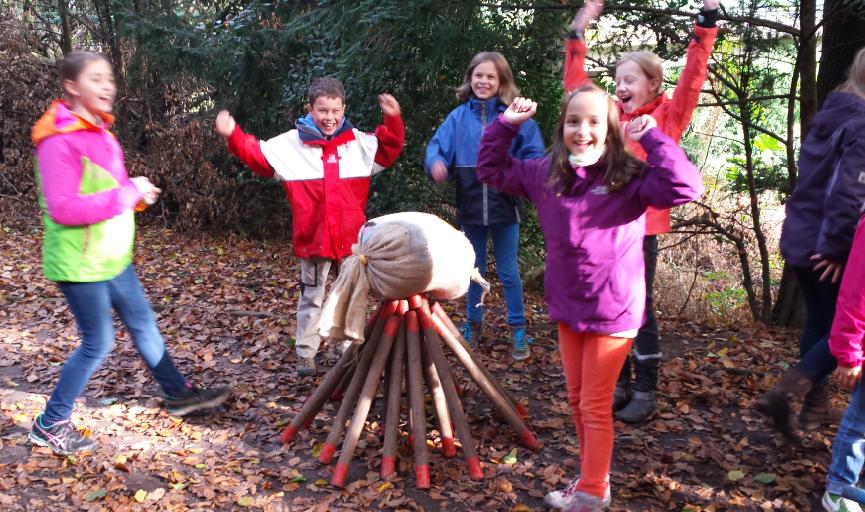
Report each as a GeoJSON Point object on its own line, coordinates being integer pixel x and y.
{"type": "Point", "coordinates": [837, 110]}
{"type": "Point", "coordinates": [309, 132]}
{"type": "Point", "coordinates": [59, 119]}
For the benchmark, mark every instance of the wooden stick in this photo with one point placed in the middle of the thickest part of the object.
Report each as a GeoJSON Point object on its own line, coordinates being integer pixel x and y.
{"type": "Point", "coordinates": [461, 425]}
{"type": "Point", "coordinates": [416, 402]}
{"type": "Point", "coordinates": [365, 399]}
{"type": "Point", "coordinates": [457, 336]}
{"type": "Point", "coordinates": [449, 449]}
{"type": "Point", "coordinates": [501, 403]}
{"type": "Point", "coordinates": [394, 402]}
{"type": "Point", "coordinates": [351, 393]}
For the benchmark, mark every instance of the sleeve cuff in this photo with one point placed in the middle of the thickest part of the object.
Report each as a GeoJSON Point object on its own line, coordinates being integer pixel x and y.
{"type": "Point", "coordinates": [652, 139]}
{"type": "Point", "coordinates": [708, 19]}
{"type": "Point", "coordinates": [513, 128]}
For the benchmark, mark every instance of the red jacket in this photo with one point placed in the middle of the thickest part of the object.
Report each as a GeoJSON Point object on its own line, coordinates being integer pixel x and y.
{"type": "Point", "coordinates": [326, 181]}
{"type": "Point", "coordinates": [673, 115]}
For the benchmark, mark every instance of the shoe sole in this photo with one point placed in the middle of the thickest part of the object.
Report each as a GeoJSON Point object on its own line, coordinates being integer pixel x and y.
{"type": "Point", "coordinates": [781, 417]}
{"type": "Point", "coordinates": [38, 441]}
{"type": "Point", "coordinates": [183, 411]}
{"type": "Point", "coordinates": [521, 358]}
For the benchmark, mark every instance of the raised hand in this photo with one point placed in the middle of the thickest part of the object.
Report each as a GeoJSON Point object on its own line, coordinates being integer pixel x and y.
{"type": "Point", "coordinates": [389, 105]}
{"type": "Point", "coordinates": [588, 13]}
{"type": "Point", "coordinates": [224, 123]}
{"type": "Point", "coordinates": [711, 5]}
{"type": "Point", "coordinates": [638, 127]}
{"type": "Point", "coordinates": [439, 172]}
{"type": "Point", "coordinates": [520, 111]}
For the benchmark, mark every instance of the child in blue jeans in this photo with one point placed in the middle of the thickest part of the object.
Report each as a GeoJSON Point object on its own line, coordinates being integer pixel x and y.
{"type": "Point", "coordinates": [482, 211]}
{"type": "Point", "coordinates": [845, 343]}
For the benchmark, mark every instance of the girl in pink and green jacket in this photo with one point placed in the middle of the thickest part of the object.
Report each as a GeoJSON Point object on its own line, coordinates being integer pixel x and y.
{"type": "Point", "coordinates": [88, 204]}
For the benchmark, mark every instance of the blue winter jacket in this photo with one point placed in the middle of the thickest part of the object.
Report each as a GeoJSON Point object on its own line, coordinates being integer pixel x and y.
{"type": "Point", "coordinates": [823, 210]}
{"type": "Point", "coordinates": [456, 143]}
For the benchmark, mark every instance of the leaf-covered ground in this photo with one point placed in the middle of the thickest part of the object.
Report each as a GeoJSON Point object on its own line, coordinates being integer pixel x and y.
{"type": "Point", "coordinates": [706, 450]}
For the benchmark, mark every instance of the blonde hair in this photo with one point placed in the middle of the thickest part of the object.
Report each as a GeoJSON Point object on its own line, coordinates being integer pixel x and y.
{"type": "Point", "coordinates": [507, 88]}
{"type": "Point", "coordinates": [855, 82]}
{"type": "Point", "coordinates": [621, 165]}
{"type": "Point", "coordinates": [650, 64]}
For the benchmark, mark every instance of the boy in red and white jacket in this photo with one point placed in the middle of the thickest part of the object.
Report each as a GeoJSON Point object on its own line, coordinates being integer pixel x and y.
{"type": "Point", "coordinates": [325, 166]}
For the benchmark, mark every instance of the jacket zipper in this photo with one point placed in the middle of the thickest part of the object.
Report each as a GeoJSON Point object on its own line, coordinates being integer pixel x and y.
{"type": "Point", "coordinates": [86, 245]}
{"type": "Point", "coordinates": [486, 216]}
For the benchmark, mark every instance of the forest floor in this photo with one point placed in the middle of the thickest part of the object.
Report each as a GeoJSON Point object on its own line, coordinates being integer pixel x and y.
{"type": "Point", "coordinates": [705, 450]}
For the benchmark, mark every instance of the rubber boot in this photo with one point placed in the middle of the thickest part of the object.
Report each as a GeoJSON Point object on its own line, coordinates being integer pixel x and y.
{"type": "Point", "coordinates": [622, 393]}
{"type": "Point", "coordinates": [817, 410]}
{"type": "Point", "coordinates": [777, 403]}
{"type": "Point", "coordinates": [642, 405]}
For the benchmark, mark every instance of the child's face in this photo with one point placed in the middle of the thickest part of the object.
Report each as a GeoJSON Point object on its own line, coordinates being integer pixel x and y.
{"type": "Point", "coordinates": [485, 81]}
{"type": "Point", "coordinates": [327, 114]}
{"type": "Point", "coordinates": [94, 88]}
{"type": "Point", "coordinates": [633, 87]}
{"type": "Point", "coordinates": [585, 127]}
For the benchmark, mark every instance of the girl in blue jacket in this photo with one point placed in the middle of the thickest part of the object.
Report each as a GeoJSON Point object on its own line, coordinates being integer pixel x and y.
{"type": "Point", "coordinates": [482, 211]}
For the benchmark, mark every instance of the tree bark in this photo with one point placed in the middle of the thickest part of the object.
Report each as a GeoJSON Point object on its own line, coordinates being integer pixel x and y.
{"type": "Point", "coordinates": [65, 29]}
{"type": "Point", "coordinates": [843, 35]}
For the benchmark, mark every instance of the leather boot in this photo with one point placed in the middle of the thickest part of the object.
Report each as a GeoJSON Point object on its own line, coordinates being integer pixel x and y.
{"type": "Point", "coordinates": [642, 405]}
{"type": "Point", "coordinates": [817, 410]}
{"type": "Point", "coordinates": [777, 403]}
{"type": "Point", "coordinates": [622, 393]}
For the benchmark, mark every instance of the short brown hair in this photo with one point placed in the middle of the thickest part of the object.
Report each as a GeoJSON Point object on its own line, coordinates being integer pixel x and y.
{"type": "Point", "coordinates": [75, 62]}
{"type": "Point", "coordinates": [620, 163]}
{"type": "Point", "coordinates": [507, 88]}
{"type": "Point", "coordinates": [328, 87]}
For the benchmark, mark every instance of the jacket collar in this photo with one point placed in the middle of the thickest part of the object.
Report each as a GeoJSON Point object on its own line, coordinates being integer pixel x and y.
{"type": "Point", "coordinates": [648, 108]}
{"type": "Point", "coordinates": [60, 119]}
{"type": "Point", "coordinates": [310, 134]}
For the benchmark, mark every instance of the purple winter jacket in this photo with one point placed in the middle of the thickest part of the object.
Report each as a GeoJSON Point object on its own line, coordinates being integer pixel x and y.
{"type": "Point", "coordinates": [823, 210]}
{"type": "Point", "coordinates": [594, 280]}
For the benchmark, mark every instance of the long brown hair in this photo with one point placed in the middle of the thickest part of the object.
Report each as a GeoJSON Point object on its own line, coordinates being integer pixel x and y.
{"type": "Point", "coordinates": [855, 82]}
{"type": "Point", "coordinates": [620, 163]}
{"type": "Point", "coordinates": [507, 88]}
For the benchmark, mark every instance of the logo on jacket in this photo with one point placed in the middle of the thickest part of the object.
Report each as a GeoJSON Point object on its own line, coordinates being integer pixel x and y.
{"type": "Point", "coordinates": [600, 190]}
{"type": "Point", "coordinates": [331, 159]}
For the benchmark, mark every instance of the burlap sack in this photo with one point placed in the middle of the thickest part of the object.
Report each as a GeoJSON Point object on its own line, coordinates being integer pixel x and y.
{"type": "Point", "coordinates": [397, 256]}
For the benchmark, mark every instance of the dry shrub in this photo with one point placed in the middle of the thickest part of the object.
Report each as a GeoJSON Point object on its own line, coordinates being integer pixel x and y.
{"type": "Point", "coordinates": [700, 276]}
{"type": "Point", "coordinates": [196, 195]}
{"type": "Point", "coordinates": [28, 83]}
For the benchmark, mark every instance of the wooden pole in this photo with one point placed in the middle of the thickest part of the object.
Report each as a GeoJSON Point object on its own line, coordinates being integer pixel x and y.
{"type": "Point", "coordinates": [434, 384]}
{"type": "Point", "coordinates": [365, 399]}
{"type": "Point", "coordinates": [416, 402]}
{"type": "Point", "coordinates": [457, 336]}
{"type": "Point", "coordinates": [394, 402]}
{"type": "Point", "coordinates": [501, 403]}
{"type": "Point", "coordinates": [461, 425]}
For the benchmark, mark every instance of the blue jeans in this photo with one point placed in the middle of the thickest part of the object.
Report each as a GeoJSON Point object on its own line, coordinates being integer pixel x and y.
{"type": "Point", "coordinates": [506, 239]}
{"type": "Point", "coordinates": [91, 304]}
{"type": "Point", "coordinates": [848, 449]}
{"type": "Point", "coordinates": [820, 297]}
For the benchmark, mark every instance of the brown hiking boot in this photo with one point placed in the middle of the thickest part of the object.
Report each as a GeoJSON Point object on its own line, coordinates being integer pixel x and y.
{"type": "Point", "coordinates": [777, 403]}
{"type": "Point", "coordinates": [817, 410]}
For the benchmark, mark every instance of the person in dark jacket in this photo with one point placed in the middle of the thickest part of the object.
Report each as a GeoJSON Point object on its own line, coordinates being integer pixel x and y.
{"type": "Point", "coordinates": [822, 214]}
{"type": "Point", "coordinates": [482, 211]}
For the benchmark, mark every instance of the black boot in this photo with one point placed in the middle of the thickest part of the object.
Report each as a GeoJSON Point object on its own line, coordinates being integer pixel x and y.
{"type": "Point", "coordinates": [777, 403]}
{"type": "Point", "coordinates": [622, 393]}
{"type": "Point", "coordinates": [642, 405]}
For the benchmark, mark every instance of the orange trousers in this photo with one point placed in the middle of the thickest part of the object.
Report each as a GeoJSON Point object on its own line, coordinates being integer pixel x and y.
{"type": "Point", "coordinates": [592, 363]}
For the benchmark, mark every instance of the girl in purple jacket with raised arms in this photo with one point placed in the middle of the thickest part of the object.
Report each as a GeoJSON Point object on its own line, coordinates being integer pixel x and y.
{"type": "Point", "coordinates": [591, 197]}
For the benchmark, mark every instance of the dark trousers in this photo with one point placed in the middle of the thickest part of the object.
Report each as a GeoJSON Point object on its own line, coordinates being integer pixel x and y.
{"type": "Point", "coordinates": [820, 297]}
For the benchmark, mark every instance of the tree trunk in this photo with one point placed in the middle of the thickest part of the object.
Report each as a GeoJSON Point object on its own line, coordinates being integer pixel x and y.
{"type": "Point", "coordinates": [65, 29]}
{"type": "Point", "coordinates": [843, 35]}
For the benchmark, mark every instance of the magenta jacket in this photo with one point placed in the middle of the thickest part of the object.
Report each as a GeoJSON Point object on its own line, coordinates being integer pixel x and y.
{"type": "Point", "coordinates": [848, 327]}
{"type": "Point", "coordinates": [594, 280]}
